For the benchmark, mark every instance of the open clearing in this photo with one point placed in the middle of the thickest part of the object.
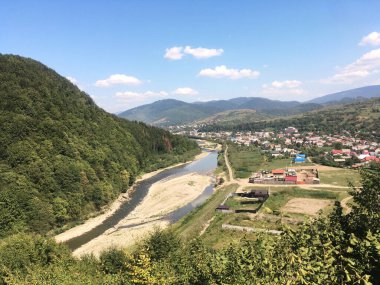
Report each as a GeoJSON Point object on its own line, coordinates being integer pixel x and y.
{"type": "Point", "coordinates": [305, 206]}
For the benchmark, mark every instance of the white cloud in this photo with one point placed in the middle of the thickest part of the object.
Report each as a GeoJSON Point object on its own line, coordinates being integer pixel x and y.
{"type": "Point", "coordinates": [286, 84]}
{"type": "Point", "coordinates": [118, 79]}
{"type": "Point", "coordinates": [222, 71]}
{"type": "Point", "coordinates": [278, 89]}
{"type": "Point", "coordinates": [72, 80]}
{"type": "Point", "coordinates": [201, 52]}
{"type": "Point", "coordinates": [371, 39]}
{"type": "Point", "coordinates": [366, 65]}
{"type": "Point", "coordinates": [185, 91]}
{"type": "Point", "coordinates": [174, 53]}
{"type": "Point", "coordinates": [140, 95]}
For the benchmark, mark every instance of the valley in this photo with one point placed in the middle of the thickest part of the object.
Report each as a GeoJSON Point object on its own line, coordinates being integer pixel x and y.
{"type": "Point", "coordinates": [189, 143]}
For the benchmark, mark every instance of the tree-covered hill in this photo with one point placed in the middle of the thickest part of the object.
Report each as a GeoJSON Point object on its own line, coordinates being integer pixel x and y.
{"type": "Point", "coordinates": [171, 112]}
{"type": "Point", "coordinates": [61, 156]}
{"type": "Point", "coordinates": [361, 118]}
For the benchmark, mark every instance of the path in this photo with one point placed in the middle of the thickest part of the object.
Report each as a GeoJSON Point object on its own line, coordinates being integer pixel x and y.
{"type": "Point", "coordinates": [230, 173]}
{"type": "Point", "coordinates": [344, 205]}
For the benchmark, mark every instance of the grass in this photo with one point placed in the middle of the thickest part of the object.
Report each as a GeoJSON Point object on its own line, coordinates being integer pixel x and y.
{"type": "Point", "coordinates": [247, 159]}
{"type": "Point", "coordinates": [244, 160]}
{"type": "Point", "coordinates": [276, 163]}
{"type": "Point", "coordinates": [217, 237]}
{"type": "Point", "coordinates": [236, 203]}
{"type": "Point", "coordinates": [339, 176]}
{"type": "Point", "coordinates": [283, 163]}
{"type": "Point", "coordinates": [192, 224]}
{"type": "Point", "coordinates": [281, 195]}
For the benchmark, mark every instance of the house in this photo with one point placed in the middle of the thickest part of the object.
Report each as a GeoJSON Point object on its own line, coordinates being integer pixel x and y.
{"type": "Point", "coordinates": [290, 130]}
{"type": "Point", "coordinates": [336, 152]}
{"type": "Point", "coordinates": [278, 173]}
{"type": "Point", "coordinates": [261, 194]}
{"type": "Point", "coordinates": [291, 179]}
{"type": "Point", "coordinates": [276, 153]}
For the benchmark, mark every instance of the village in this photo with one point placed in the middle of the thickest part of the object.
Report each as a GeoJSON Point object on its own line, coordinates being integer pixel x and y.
{"type": "Point", "coordinates": [338, 150]}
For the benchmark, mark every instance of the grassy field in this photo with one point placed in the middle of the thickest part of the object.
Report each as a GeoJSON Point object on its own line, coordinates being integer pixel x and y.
{"type": "Point", "coordinates": [276, 163]}
{"type": "Point", "coordinates": [247, 159]}
{"type": "Point", "coordinates": [339, 176]}
{"type": "Point", "coordinates": [217, 237]}
{"type": "Point", "coordinates": [192, 224]}
{"type": "Point", "coordinates": [282, 163]}
{"type": "Point", "coordinates": [244, 160]}
{"type": "Point", "coordinates": [238, 203]}
{"type": "Point", "coordinates": [279, 196]}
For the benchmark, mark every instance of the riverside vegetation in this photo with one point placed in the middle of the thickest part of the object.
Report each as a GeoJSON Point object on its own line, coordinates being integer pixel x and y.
{"type": "Point", "coordinates": [339, 249]}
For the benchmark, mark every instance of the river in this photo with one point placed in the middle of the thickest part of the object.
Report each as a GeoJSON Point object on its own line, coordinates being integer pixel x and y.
{"type": "Point", "coordinates": [205, 165]}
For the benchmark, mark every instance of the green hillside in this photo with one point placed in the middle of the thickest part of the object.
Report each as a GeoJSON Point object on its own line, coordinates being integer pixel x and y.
{"type": "Point", "coordinates": [174, 112]}
{"type": "Point", "coordinates": [61, 156]}
{"type": "Point", "coordinates": [362, 118]}
{"type": "Point", "coordinates": [233, 117]}
{"type": "Point", "coordinates": [168, 112]}
{"type": "Point", "coordinates": [171, 112]}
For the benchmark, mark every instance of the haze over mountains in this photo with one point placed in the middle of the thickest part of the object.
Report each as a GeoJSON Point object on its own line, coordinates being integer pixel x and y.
{"type": "Point", "coordinates": [173, 112]}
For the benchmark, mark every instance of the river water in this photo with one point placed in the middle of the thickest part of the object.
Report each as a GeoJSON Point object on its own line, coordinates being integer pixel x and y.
{"type": "Point", "coordinates": [204, 165]}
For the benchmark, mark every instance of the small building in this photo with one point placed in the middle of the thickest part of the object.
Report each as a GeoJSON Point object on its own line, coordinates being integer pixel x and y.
{"type": "Point", "coordinates": [261, 194]}
{"type": "Point", "coordinates": [300, 158]}
{"type": "Point", "coordinates": [291, 179]}
{"type": "Point", "coordinates": [223, 209]}
{"type": "Point", "coordinates": [278, 172]}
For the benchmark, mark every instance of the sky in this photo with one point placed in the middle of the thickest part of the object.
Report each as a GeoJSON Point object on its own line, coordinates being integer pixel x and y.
{"type": "Point", "coordinates": [127, 53]}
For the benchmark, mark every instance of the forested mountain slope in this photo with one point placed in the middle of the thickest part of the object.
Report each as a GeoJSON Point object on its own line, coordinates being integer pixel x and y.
{"type": "Point", "coordinates": [362, 118]}
{"type": "Point", "coordinates": [61, 156]}
{"type": "Point", "coordinates": [174, 112]}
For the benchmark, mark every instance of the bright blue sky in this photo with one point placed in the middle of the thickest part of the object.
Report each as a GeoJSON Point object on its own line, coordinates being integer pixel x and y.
{"type": "Point", "coordinates": [287, 50]}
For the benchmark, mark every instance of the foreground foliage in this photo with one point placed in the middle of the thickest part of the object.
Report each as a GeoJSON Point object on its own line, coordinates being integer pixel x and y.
{"type": "Point", "coordinates": [61, 156]}
{"type": "Point", "coordinates": [340, 249]}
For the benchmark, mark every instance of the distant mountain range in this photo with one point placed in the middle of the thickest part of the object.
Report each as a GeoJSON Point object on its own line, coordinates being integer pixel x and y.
{"type": "Point", "coordinates": [349, 95]}
{"type": "Point", "coordinates": [361, 118]}
{"type": "Point", "coordinates": [174, 112]}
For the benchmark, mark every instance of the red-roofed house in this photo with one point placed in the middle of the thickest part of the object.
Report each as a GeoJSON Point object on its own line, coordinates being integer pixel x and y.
{"type": "Point", "coordinates": [278, 171]}
{"type": "Point", "coordinates": [279, 174]}
{"type": "Point", "coordinates": [372, 158]}
{"type": "Point", "coordinates": [336, 152]}
{"type": "Point", "coordinates": [291, 179]}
